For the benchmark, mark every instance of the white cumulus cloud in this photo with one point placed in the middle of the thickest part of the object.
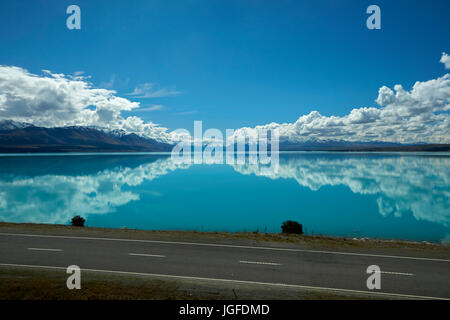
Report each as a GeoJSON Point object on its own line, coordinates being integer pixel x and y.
{"type": "Point", "coordinates": [445, 59]}
{"type": "Point", "coordinates": [420, 114]}
{"type": "Point", "coordinates": [54, 100]}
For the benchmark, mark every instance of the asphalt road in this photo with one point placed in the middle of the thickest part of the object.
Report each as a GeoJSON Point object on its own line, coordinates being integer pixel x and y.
{"type": "Point", "coordinates": [322, 269]}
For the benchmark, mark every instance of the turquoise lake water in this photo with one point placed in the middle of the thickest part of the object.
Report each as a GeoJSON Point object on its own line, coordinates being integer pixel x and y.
{"type": "Point", "coordinates": [397, 195]}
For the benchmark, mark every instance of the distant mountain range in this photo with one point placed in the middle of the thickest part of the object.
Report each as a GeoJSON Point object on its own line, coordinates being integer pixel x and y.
{"type": "Point", "coordinates": [23, 138]}
{"type": "Point", "coordinates": [19, 137]}
{"type": "Point", "coordinates": [375, 146]}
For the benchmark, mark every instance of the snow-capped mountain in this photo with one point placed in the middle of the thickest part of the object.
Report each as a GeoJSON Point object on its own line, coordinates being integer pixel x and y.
{"type": "Point", "coordinates": [12, 125]}
{"type": "Point", "coordinates": [22, 137]}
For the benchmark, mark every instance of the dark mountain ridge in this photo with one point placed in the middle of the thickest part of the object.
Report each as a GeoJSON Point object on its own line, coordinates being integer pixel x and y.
{"type": "Point", "coordinates": [17, 137]}
{"type": "Point", "coordinates": [33, 139]}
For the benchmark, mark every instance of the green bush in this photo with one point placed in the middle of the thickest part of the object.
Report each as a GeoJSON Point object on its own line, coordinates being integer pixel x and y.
{"type": "Point", "coordinates": [291, 227]}
{"type": "Point", "coordinates": [78, 221]}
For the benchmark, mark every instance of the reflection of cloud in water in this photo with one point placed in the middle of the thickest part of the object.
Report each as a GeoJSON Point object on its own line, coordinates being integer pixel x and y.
{"type": "Point", "coordinates": [402, 183]}
{"type": "Point", "coordinates": [57, 198]}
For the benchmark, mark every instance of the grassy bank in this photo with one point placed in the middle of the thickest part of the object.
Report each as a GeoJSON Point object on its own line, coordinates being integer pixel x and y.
{"type": "Point", "coordinates": [30, 284]}
{"type": "Point", "coordinates": [241, 238]}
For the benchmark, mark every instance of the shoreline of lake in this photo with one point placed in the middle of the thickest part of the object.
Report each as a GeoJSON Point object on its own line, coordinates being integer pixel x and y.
{"type": "Point", "coordinates": [364, 244]}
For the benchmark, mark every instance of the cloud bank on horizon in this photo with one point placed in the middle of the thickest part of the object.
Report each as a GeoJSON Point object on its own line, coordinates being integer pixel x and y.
{"type": "Point", "coordinates": [54, 100]}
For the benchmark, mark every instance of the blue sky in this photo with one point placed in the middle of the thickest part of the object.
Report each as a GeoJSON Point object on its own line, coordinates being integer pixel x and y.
{"type": "Point", "coordinates": [232, 63]}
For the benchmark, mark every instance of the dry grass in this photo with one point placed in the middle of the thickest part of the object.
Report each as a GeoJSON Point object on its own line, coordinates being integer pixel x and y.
{"type": "Point", "coordinates": [23, 284]}
{"type": "Point", "coordinates": [37, 284]}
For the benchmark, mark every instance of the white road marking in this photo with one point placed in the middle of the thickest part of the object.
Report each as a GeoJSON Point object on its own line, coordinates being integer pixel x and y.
{"type": "Point", "coordinates": [396, 273]}
{"type": "Point", "coordinates": [227, 246]}
{"type": "Point", "coordinates": [43, 249]}
{"type": "Point", "coordinates": [147, 255]}
{"type": "Point", "coordinates": [257, 262]}
{"type": "Point", "coordinates": [376, 293]}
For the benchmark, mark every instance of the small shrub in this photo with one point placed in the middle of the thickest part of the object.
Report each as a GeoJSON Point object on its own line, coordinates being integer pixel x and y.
{"type": "Point", "coordinates": [78, 221]}
{"type": "Point", "coordinates": [291, 227]}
